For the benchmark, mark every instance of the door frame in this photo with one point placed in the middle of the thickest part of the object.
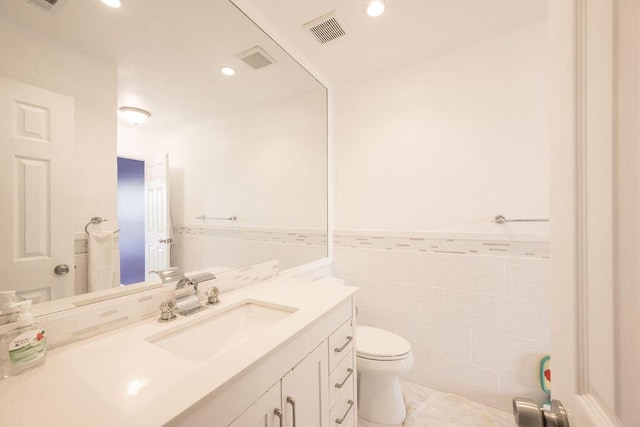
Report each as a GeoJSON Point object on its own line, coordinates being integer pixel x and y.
{"type": "Point", "coordinates": [587, 313]}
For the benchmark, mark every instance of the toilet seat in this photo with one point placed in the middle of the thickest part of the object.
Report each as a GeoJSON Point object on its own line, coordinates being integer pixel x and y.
{"type": "Point", "coordinates": [381, 345]}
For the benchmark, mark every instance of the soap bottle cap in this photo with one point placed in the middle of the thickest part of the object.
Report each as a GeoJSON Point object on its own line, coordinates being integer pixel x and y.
{"type": "Point", "coordinates": [7, 300]}
{"type": "Point", "coordinates": [25, 318]}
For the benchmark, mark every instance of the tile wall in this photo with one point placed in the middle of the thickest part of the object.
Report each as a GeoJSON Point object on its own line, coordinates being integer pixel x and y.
{"type": "Point", "coordinates": [475, 307]}
{"type": "Point", "coordinates": [198, 247]}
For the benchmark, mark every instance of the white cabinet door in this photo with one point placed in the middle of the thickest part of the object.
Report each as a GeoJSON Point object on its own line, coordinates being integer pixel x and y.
{"type": "Point", "coordinates": [305, 391]}
{"type": "Point", "coordinates": [265, 412]}
{"type": "Point", "coordinates": [36, 157]}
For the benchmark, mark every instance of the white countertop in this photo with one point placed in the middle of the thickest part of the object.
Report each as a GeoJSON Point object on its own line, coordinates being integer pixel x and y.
{"type": "Point", "coordinates": [119, 378]}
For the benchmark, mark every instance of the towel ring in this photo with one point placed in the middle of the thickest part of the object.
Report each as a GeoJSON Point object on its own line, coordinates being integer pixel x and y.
{"type": "Point", "coordinates": [95, 220]}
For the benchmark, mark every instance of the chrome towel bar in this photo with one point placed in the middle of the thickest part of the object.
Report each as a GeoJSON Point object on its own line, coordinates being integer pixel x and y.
{"type": "Point", "coordinates": [500, 219]}
{"type": "Point", "coordinates": [204, 217]}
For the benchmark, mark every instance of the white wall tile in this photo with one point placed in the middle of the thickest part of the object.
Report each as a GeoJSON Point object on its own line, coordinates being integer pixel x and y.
{"type": "Point", "coordinates": [474, 382]}
{"type": "Point", "coordinates": [544, 321]}
{"type": "Point", "coordinates": [347, 263]}
{"type": "Point", "coordinates": [475, 273]}
{"type": "Point", "coordinates": [437, 339]}
{"type": "Point", "coordinates": [377, 319]}
{"type": "Point", "coordinates": [391, 266]}
{"type": "Point", "coordinates": [413, 301]}
{"type": "Point", "coordinates": [528, 278]}
{"type": "Point", "coordinates": [367, 295]}
{"type": "Point", "coordinates": [502, 314]}
{"type": "Point", "coordinates": [514, 386]}
{"type": "Point", "coordinates": [513, 355]}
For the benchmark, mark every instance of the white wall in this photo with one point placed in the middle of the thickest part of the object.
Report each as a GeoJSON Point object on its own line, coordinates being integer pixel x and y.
{"type": "Point", "coordinates": [266, 165]}
{"type": "Point", "coordinates": [446, 143]}
{"type": "Point", "coordinates": [39, 61]}
{"type": "Point", "coordinates": [426, 155]}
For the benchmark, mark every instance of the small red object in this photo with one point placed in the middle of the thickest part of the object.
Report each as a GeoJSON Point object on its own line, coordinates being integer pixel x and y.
{"type": "Point", "coordinates": [547, 374]}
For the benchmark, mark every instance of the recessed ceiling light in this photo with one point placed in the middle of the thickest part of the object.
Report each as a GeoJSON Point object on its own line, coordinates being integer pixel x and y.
{"type": "Point", "coordinates": [134, 115]}
{"type": "Point", "coordinates": [375, 8]}
{"type": "Point", "coordinates": [227, 71]}
{"type": "Point", "coordinates": [112, 3]}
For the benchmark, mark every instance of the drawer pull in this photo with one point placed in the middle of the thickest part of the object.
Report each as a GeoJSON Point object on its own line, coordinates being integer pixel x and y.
{"type": "Point", "coordinates": [278, 413]}
{"type": "Point", "coordinates": [344, 417]}
{"type": "Point", "coordinates": [339, 350]}
{"type": "Point", "coordinates": [340, 385]}
{"type": "Point", "coordinates": [291, 401]}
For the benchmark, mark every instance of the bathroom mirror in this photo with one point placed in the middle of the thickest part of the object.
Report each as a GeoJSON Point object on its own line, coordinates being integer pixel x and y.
{"type": "Point", "coordinates": [246, 154]}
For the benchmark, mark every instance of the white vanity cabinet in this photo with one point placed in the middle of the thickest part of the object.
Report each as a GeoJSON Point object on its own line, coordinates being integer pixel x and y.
{"type": "Point", "coordinates": [265, 412]}
{"type": "Point", "coordinates": [301, 398]}
{"type": "Point", "coordinates": [305, 391]}
{"type": "Point", "coordinates": [293, 386]}
{"type": "Point", "coordinates": [342, 381]}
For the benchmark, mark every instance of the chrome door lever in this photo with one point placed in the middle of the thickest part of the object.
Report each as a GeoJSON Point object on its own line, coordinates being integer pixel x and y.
{"type": "Point", "coordinates": [528, 414]}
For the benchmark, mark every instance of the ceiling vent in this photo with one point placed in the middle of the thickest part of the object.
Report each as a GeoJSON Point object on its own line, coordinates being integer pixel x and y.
{"type": "Point", "coordinates": [256, 58]}
{"type": "Point", "coordinates": [326, 28]}
{"type": "Point", "coordinates": [48, 5]}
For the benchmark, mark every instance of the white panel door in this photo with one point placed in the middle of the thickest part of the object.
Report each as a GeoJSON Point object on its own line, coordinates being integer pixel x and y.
{"type": "Point", "coordinates": [595, 188]}
{"type": "Point", "coordinates": [305, 391]}
{"type": "Point", "coordinates": [158, 229]}
{"type": "Point", "coordinates": [36, 159]}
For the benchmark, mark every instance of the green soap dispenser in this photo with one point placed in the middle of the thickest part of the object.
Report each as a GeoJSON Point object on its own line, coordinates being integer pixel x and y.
{"type": "Point", "coordinates": [25, 346]}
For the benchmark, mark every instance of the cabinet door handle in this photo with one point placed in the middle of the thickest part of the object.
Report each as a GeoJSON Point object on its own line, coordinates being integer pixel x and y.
{"type": "Point", "coordinates": [291, 401]}
{"type": "Point", "coordinates": [339, 349]}
{"type": "Point", "coordinates": [278, 413]}
{"type": "Point", "coordinates": [344, 417]}
{"type": "Point", "coordinates": [340, 385]}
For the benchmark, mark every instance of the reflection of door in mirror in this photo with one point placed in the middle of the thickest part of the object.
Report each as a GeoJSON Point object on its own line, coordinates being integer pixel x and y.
{"type": "Point", "coordinates": [131, 219]}
{"type": "Point", "coordinates": [159, 229]}
{"type": "Point", "coordinates": [36, 136]}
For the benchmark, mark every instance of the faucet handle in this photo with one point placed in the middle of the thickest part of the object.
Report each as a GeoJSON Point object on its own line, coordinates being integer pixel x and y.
{"type": "Point", "coordinates": [212, 296]}
{"type": "Point", "coordinates": [167, 311]}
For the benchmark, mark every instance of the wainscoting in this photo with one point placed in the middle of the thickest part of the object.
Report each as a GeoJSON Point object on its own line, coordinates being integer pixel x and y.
{"type": "Point", "coordinates": [475, 307]}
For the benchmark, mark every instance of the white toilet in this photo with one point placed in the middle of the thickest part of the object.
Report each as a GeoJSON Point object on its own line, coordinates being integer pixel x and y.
{"type": "Point", "coordinates": [382, 357]}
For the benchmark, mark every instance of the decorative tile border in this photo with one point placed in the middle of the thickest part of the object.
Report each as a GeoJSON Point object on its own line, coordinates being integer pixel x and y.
{"type": "Point", "coordinates": [273, 235]}
{"type": "Point", "coordinates": [511, 245]}
{"type": "Point", "coordinates": [66, 327]}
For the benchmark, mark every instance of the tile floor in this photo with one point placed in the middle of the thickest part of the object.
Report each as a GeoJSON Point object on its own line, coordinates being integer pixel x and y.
{"type": "Point", "coordinates": [431, 408]}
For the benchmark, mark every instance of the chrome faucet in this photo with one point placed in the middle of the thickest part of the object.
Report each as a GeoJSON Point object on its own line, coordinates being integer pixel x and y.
{"type": "Point", "coordinates": [187, 303]}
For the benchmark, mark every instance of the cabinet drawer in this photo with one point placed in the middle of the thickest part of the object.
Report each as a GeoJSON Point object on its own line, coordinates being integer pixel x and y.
{"type": "Point", "coordinates": [340, 344]}
{"type": "Point", "coordinates": [341, 379]}
{"type": "Point", "coordinates": [343, 414]}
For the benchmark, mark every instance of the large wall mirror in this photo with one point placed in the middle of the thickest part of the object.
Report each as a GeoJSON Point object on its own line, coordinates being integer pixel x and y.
{"type": "Point", "coordinates": [229, 170]}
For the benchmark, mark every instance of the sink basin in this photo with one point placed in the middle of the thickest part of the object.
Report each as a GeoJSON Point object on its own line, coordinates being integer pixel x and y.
{"type": "Point", "coordinates": [221, 331]}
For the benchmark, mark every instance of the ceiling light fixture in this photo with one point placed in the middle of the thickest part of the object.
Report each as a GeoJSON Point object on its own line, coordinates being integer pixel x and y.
{"type": "Point", "coordinates": [134, 115]}
{"type": "Point", "coordinates": [375, 8]}
{"type": "Point", "coordinates": [227, 71]}
{"type": "Point", "coordinates": [112, 3]}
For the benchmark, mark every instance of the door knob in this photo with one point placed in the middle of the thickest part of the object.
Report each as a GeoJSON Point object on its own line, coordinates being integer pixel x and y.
{"type": "Point", "coordinates": [528, 414]}
{"type": "Point", "coordinates": [61, 269]}
{"type": "Point", "coordinates": [165, 240]}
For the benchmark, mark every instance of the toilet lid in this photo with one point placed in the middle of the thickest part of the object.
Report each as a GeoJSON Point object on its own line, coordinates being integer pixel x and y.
{"type": "Point", "coordinates": [376, 342]}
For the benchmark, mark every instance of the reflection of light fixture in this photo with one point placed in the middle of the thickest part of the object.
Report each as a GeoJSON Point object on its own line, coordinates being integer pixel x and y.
{"type": "Point", "coordinates": [375, 8]}
{"type": "Point", "coordinates": [227, 71]}
{"type": "Point", "coordinates": [135, 115]}
{"type": "Point", "coordinates": [112, 3]}
{"type": "Point", "coordinates": [134, 387]}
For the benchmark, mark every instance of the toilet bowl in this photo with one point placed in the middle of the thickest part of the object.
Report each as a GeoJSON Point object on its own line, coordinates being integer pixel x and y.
{"type": "Point", "coordinates": [382, 357]}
